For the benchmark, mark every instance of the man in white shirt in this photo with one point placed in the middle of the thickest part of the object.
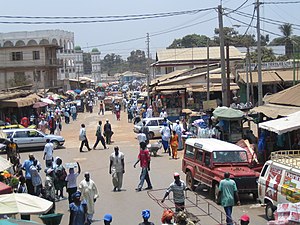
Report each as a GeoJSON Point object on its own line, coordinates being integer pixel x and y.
{"type": "Point", "coordinates": [83, 138]}
{"type": "Point", "coordinates": [141, 137]}
{"type": "Point", "coordinates": [48, 153]}
{"type": "Point", "coordinates": [117, 168]}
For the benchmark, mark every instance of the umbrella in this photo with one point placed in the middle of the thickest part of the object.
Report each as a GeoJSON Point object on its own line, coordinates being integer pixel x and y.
{"type": "Point", "coordinates": [77, 91]}
{"type": "Point", "coordinates": [227, 113]}
{"type": "Point", "coordinates": [71, 92]}
{"type": "Point", "coordinates": [104, 85]}
{"type": "Point", "coordinates": [86, 91]}
{"type": "Point", "coordinates": [17, 222]}
{"type": "Point", "coordinates": [23, 203]}
{"type": "Point", "coordinates": [39, 105]}
{"type": "Point", "coordinates": [4, 164]}
{"type": "Point", "coordinates": [48, 101]}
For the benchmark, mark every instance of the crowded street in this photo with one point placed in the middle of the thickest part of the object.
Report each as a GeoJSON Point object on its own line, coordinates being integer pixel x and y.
{"type": "Point", "coordinates": [126, 206]}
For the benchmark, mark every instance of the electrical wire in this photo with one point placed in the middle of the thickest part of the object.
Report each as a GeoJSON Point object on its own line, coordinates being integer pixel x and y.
{"type": "Point", "coordinates": [276, 3]}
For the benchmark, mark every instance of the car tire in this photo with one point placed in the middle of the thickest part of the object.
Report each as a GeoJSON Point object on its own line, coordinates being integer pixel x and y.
{"type": "Point", "coordinates": [55, 144]}
{"type": "Point", "coordinates": [215, 192]}
{"type": "Point", "coordinates": [151, 135]}
{"type": "Point", "coordinates": [269, 211]}
{"type": "Point", "coordinates": [190, 182]}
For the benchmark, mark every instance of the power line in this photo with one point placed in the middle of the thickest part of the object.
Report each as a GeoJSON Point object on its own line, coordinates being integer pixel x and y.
{"type": "Point", "coordinates": [276, 3]}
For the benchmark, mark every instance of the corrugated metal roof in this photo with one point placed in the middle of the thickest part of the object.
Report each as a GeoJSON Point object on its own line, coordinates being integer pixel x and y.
{"type": "Point", "coordinates": [212, 87]}
{"type": "Point", "coordinates": [168, 76]}
{"type": "Point", "coordinates": [273, 111]}
{"type": "Point", "coordinates": [268, 77]}
{"type": "Point", "coordinates": [287, 97]}
{"type": "Point", "coordinates": [190, 54]}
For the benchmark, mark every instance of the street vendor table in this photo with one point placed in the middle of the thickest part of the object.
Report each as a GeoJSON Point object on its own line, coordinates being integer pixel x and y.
{"type": "Point", "coordinates": [5, 189]}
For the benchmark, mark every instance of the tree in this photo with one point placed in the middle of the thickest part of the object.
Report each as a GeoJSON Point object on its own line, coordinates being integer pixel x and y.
{"type": "Point", "coordinates": [137, 61]}
{"type": "Point", "coordinates": [267, 55]}
{"type": "Point", "coordinates": [190, 41]}
{"type": "Point", "coordinates": [113, 63]}
{"type": "Point", "coordinates": [287, 31]}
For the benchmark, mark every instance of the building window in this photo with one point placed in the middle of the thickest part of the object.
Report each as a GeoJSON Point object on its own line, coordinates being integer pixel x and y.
{"type": "Point", "coordinates": [35, 55]}
{"type": "Point", "coordinates": [17, 56]}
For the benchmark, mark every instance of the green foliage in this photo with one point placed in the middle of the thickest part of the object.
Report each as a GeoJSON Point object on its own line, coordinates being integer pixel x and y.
{"type": "Point", "coordinates": [266, 53]}
{"type": "Point", "coordinates": [77, 48]}
{"type": "Point", "coordinates": [113, 63]}
{"type": "Point", "coordinates": [137, 61]}
{"type": "Point", "coordinates": [190, 41]}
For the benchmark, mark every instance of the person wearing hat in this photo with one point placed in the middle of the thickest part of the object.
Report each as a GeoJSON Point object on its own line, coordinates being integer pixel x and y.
{"type": "Point", "coordinates": [78, 211]}
{"type": "Point", "coordinates": [177, 187]}
{"type": "Point", "coordinates": [146, 216]}
{"type": "Point", "coordinates": [167, 216]}
{"type": "Point", "coordinates": [228, 193]}
{"type": "Point", "coordinates": [245, 219]}
{"type": "Point", "coordinates": [107, 219]}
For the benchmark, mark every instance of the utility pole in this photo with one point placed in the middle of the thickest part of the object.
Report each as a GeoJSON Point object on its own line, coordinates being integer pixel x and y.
{"type": "Point", "coordinates": [207, 73]}
{"type": "Point", "coordinates": [259, 78]}
{"type": "Point", "coordinates": [228, 74]}
{"type": "Point", "coordinates": [222, 55]}
{"type": "Point", "coordinates": [148, 65]}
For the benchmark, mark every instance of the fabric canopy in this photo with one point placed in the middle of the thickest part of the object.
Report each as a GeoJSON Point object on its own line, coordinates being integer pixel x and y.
{"type": "Point", "coordinates": [224, 113]}
{"type": "Point", "coordinates": [5, 189]}
{"type": "Point", "coordinates": [17, 222]}
{"type": "Point", "coordinates": [20, 102]}
{"type": "Point", "coordinates": [23, 203]}
{"type": "Point", "coordinates": [4, 164]}
{"type": "Point", "coordinates": [282, 125]}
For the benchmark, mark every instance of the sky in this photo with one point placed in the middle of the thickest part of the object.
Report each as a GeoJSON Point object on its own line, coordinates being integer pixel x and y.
{"type": "Point", "coordinates": [162, 31]}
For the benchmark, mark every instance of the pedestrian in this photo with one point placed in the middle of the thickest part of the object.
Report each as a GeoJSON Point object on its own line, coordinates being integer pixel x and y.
{"type": "Point", "coordinates": [165, 137]}
{"type": "Point", "coordinates": [177, 187]}
{"type": "Point", "coordinates": [89, 192]}
{"type": "Point", "coordinates": [52, 124]}
{"type": "Point", "coordinates": [58, 126]}
{"type": "Point", "coordinates": [71, 180]}
{"type": "Point", "coordinates": [24, 121]}
{"type": "Point", "coordinates": [107, 219]}
{"type": "Point", "coordinates": [149, 112]}
{"type": "Point", "coordinates": [26, 166]}
{"type": "Point", "coordinates": [146, 216]}
{"type": "Point", "coordinates": [90, 105]}
{"type": "Point", "coordinates": [78, 211]}
{"type": "Point", "coordinates": [118, 110]}
{"type": "Point", "coordinates": [145, 130]}
{"type": "Point", "coordinates": [36, 178]}
{"type": "Point", "coordinates": [48, 153]}
{"type": "Point", "coordinates": [43, 125]}
{"type": "Point", "coordinates": [177, 128]}
{"type": "Point", "coordinates": [141, 137]}
{"type": "Point", "coordinates": [227, 195]}
{"type": "Point", "coordinates": [60, 178]}
{"type": "Point", "coordinates": [13, 154]}
{"type": "Point", "coordinates": [73, 112]}
{"type": "Point", "coordinates": [101, 108]}
{"type": "Point", "coordinates": [83, 138]}
{"type": "Point", "coordinates": [107, 132]}
{"type": "Point", "coordinates": [167, 217]}
{"type": "Point", "coordinates": [144, 159]}
{"type": "Point", "coordinates": [99, 136]}
{"type": "Point", "coordinates": [22, 185]}
{"type": "Point", "coordinates": [245, 219]}
{"type": "Point", "coordinates": [174, 144]}
{"type": "Point", "coordinates": [49, 189]}
{"type": "Point", "coordinates": [182, 219]}
{"type": "Point", "coordinates": [117, 168]}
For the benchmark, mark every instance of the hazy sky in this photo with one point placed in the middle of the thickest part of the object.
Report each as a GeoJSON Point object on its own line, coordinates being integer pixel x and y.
{"type": "Point", "coordinates": [160, 29]}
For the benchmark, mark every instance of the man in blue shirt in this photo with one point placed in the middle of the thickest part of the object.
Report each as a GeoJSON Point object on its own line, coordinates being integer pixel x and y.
{"type": "Point", "coordinates": [227, 194]}
{"type": "Point", "coordinates": [26, 166]}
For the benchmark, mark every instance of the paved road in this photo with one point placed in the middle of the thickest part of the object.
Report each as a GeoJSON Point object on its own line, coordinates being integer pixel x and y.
{"type": "Point", "coordinates": [126, 206]}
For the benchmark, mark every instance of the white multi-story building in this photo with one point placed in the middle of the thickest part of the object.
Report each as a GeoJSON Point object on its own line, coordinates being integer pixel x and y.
{"type": "Point", "coordinates": [96, 65]}
{"type": "Point", "coordinates": [40, 58]}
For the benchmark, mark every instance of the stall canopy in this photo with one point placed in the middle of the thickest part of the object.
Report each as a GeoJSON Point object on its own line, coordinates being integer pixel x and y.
{"type": "Point", "coordinates": [282, 125]}
{"type": "Point", "coordinates": [20, 102]}
{"type": "Point", "coordinates": [224, 113]}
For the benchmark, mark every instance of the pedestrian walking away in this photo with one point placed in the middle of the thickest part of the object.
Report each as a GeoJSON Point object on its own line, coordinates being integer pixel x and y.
{"type": "Point", "coordinates": [178, 129]}
{"type": "Point", "coordinates": [145, 130]}
{"type": "Point", "coordinates": [60, 178]}
{"type": "Point", "coordinates": [146, 216]}
{"type": "Point", "coordinates": [36, 178]}
{"type": "Point", "coordinates": [78, 211]}
{"type": "Point", "coordinates": [177, 187]}
{"type": "Point", "coordinates": [101, 108]}
{"type": "Point", "coordinates": [144, 159]}
{"type": "Point", "coordinates": [117, 168]}
{"type": "Point", "coordinates": [13, 154]}
{"type": "Point", "coordinates": [71, 180]}
{"type": "Point", "coordinates": [227, 195]}
{"type": "Point", "coordinates": [99, 136]}
{"type": "Point", "coordinates": [141, 137]}
{"type": "Point", "coordinates": [108, 132]}
{"type": "Point", "coordinates": [165, 137]}
{"type": "Point", "coordinates": [83, 138]}
{"type": "Point", "coordinates": [89, 192]}
{"type": "Point", "coordinates": [48, 153]}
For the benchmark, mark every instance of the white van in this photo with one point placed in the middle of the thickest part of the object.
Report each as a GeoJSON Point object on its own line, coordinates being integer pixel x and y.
{"type": "Point", "coordinates": [279, 180]}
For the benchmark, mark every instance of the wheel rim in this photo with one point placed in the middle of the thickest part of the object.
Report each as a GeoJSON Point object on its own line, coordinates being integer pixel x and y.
{"type": "Point", "coordinates": [55, 144]}
{"type": "Point", "coordinates": [189, 180]}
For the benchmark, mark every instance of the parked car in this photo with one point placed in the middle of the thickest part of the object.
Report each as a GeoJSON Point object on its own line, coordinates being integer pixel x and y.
{"type": "Point", "coordinates": [31, 138]}
{"type": "Point", "coordinates": [207, 159]}
{"type": "Point", "coordinates": [154, 123]}
{"type": "Point", "coordinates": [279, 180]}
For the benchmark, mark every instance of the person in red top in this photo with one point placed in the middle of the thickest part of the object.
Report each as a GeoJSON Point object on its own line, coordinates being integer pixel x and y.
{"type": "Point", "coordinates": [25, 121]}
{"type": "Point", "coordinates": [144, 159]}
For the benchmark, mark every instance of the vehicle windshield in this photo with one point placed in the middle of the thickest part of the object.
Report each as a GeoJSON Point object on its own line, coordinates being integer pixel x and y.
{"type": "Point", "coordinates": [230, 157]}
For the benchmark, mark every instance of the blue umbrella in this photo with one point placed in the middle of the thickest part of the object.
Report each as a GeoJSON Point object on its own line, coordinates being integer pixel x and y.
{"type": "Point", "coordinates": [77, 91]}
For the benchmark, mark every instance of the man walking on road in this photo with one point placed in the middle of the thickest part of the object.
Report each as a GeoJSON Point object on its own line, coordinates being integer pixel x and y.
{"type": "Point", "coordinates": [227, 194]}
{"type": "Point", "coordinates": [83, 138]}
{"type": "Point", "coordinates": [177, 187]}
{"type": "Point", "coordinates": [99, 136]}
{"type": "Point", "coordinates": [48, 153]}
{"type": "Point", "coordinates": [117, 168]}
{"type": "Point", "coordinates": [107, 132]}
{"type": "Point", "coordinates": [145, 130]}
{"type": "Point", "coordinates": [144, 159]}
{"type": "Point", "coordinates": [89, 192]}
